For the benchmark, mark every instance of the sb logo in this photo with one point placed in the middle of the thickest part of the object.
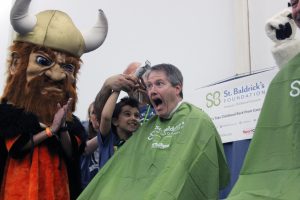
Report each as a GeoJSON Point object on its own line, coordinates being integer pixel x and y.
{"type": "Point", "coordinates": [213, 99]}
{"type": "Point", "coordinates": [295, 88]}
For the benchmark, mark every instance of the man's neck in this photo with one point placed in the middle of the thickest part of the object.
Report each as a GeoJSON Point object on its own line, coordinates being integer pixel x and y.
{"type": "Point", "coordinates": [174, 110]}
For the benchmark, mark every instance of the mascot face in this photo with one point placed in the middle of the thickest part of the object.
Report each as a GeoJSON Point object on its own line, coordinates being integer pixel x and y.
{"type": "Point", "coordinates": [40, 78]}
{"type": "Point", "coordinates": [45, 59]}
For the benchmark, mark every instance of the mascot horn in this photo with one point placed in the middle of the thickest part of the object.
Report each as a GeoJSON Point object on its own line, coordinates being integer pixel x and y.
{"type": "Point", "coordinates": [56, 30]}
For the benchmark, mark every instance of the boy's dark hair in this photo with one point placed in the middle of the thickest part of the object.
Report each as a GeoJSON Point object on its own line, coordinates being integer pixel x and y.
{"type": "Point", "coordinates": [130, 101]}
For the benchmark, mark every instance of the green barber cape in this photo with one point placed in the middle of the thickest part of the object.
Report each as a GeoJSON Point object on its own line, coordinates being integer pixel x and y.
{"type": "Point", "coordinates": [180, 158]}
{"type": "Point", "coordinates": [271, 168]}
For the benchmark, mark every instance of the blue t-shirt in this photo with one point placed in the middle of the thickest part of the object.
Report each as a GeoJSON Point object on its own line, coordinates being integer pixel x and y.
{"type": "Point", "coordinates": [89, 164]}
{"type": "Point", "coordinates": [108, 146]}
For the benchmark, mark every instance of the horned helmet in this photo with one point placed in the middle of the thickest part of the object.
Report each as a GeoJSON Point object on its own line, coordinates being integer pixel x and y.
{"type": "Point", "coordinates": [55, 29]}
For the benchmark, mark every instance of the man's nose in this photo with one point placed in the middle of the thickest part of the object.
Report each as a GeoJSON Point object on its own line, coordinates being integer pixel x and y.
{"type": "Point", "coordinates": [151, 90]}
{"type": "Point", "coordinates": [152, 93]}
{"type": "Point", "coordinates": [56, 73]}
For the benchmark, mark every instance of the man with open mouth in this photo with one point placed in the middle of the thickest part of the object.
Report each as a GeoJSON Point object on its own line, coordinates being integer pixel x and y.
{"type": "Point", "coordinates": [177, 154]}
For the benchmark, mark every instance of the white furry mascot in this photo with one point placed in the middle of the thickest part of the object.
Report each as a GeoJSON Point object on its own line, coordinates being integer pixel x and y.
{"type": "Point", "coordinates": [281, 29]}
{"type": "Point", "coordinates": [271, 168]}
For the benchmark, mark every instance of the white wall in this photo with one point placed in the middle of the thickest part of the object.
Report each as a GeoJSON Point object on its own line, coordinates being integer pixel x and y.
{"type": "Point", "coordinates": [197, 36]}
{"type": "Point", "coordinates": [4, 39]}
{"type": "Point", "coordinates": [259, 11]}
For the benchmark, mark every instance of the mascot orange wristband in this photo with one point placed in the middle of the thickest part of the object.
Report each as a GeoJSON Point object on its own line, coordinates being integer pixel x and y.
{"type": "Point", "coordinates": [49, 132]}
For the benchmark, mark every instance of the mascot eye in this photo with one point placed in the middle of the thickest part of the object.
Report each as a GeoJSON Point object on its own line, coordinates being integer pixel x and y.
{"type": "Point", "coordinates": [68, 67]}
{"type": "Point", "coordinates": [43, 61]}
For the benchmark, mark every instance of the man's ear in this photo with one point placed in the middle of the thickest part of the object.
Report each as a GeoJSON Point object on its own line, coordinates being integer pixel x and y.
{"type": "Point", "coordinates": [14, 63]}
{"type": "Point", "coordinates": [178, 88]}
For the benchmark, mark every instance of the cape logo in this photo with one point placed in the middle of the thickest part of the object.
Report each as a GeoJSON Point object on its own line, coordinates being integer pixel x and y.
{"type": "Point", "coordinates": [295, 88]}
{"type": "Point", "coordinates": [161, 138]}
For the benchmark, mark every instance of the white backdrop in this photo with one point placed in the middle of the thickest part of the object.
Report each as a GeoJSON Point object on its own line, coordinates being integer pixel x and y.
{"type": "Point", "coordinates": [199, 37]}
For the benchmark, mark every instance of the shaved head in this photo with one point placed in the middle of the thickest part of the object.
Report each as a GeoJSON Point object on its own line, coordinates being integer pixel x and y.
{"type": "Point", "coordinates": [132, 67]}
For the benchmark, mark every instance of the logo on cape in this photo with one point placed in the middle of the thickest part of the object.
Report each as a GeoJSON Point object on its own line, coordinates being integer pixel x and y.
{"type": "Point", "coordinates": [295, 90]}
{"type": "Point", "coordinates": [161, 138]}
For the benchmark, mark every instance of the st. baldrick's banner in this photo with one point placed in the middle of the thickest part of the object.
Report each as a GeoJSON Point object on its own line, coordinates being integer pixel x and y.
{"type": "Point", "coordinates": [234, 105]}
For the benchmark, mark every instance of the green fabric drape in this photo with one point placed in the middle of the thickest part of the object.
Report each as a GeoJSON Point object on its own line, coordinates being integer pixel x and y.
{"type": "Point", "coordinates": [272, 165]}
{"type": "Point", "coordinates": [179, 158]}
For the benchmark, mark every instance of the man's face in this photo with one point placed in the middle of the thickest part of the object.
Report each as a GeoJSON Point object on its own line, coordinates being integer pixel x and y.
{"type": "Point", "coordinates": [163, 96]}
{"type": "Point", "coordinates": [296, 11]}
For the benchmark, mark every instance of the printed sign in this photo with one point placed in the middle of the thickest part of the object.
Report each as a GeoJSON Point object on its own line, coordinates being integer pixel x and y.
{"type": "Point", "coordinates": [234, 105]}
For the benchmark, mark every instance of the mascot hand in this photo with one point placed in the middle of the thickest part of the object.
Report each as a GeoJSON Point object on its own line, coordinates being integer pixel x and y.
{"type": "Point", "coordinates": [281, 29]}
{"type": "Point", "coordinates": [281, 26]}
{"type": "Point", "coordinates": [60, 116]}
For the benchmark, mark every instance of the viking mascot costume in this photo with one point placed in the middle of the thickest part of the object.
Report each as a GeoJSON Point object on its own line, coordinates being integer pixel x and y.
{"type": "Point", "coordinates": [40, 139]}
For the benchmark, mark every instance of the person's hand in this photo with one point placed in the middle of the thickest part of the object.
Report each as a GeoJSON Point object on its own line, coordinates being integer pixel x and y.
{"type": "Point", "coordinates": [125, 82]}
{"type": "Point", "coordinates": [131, 70]}
{"type": "Point", "coordinates": [60, 116]}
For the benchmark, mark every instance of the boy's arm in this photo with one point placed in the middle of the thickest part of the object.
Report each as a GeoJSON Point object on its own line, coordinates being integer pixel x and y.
{"type": "Point", "coordinates": [116, 83]}
{"type": "Point", "coordinates": [91, 146]}
{"type": "Point", "coordinates": [107, 112]}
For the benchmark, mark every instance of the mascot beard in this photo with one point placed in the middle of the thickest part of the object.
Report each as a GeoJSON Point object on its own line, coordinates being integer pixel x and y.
{"type": "Point", "coordinates": [45, 105]}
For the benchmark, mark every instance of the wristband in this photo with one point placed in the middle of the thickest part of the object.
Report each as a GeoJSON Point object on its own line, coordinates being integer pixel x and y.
{"type": "Point", "coordinates": [49, 132]}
